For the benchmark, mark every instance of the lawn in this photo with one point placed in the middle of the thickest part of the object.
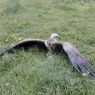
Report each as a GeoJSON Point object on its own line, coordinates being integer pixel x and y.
{"type": "Point", "coordinates": [31, 72]}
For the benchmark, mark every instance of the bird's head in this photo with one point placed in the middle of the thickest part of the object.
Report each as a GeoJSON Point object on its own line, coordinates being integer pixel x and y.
{"type": "Point", "coordinates": [54, 36]}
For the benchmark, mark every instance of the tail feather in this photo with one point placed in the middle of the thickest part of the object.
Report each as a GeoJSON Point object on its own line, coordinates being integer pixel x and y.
{"type": "Point", "coordinates": [79, 62]}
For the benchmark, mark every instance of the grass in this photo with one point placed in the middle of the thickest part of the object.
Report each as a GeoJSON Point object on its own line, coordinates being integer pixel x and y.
{"type": "Point", "coordinates": [30, 72]}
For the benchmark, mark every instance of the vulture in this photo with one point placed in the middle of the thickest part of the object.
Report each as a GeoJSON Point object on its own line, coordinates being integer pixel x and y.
{"type": "Point", "coordinates": [53, 46]}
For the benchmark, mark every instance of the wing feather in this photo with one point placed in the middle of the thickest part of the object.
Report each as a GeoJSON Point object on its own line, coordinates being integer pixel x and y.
{"type": "Point", "coordinates": [78, 60]}
{"type": "Point", "coordinates": [24, 44]}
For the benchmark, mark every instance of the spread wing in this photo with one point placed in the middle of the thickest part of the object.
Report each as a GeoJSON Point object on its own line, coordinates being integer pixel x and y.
{"type": "Point", "coordinates": [78, 60]}
{"type": "Point", "coordinates": [25, 44]}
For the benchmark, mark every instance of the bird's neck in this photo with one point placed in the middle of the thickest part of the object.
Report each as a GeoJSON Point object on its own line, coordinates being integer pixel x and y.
{"type": "Point", "coordinates": [53, 40]}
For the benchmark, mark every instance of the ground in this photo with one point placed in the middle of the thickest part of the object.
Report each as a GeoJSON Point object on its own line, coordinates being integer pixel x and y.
{"type": "Point", "coordinates": [31, 72]}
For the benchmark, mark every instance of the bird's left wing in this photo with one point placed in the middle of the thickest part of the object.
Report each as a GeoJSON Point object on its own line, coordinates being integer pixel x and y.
{"type": "Point", "coordinates": [78, 60]}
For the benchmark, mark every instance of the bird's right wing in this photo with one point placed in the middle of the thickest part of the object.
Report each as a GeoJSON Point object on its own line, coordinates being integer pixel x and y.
{"type": "Point", "coordinates": [24, 44]}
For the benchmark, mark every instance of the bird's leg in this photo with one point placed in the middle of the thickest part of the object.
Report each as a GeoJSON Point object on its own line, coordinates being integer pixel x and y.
{"type": "Point", "coordinates": [50, 53]}
{"type": "Point", "coordinates": [53, 49]}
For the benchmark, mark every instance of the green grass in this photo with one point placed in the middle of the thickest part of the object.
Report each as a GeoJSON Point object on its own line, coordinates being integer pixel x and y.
{"type": "Point", "coordinates": [31, 72]}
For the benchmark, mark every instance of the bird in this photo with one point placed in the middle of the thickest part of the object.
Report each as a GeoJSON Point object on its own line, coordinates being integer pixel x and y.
{"type": "Point", "coordinates": [79, 62]}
